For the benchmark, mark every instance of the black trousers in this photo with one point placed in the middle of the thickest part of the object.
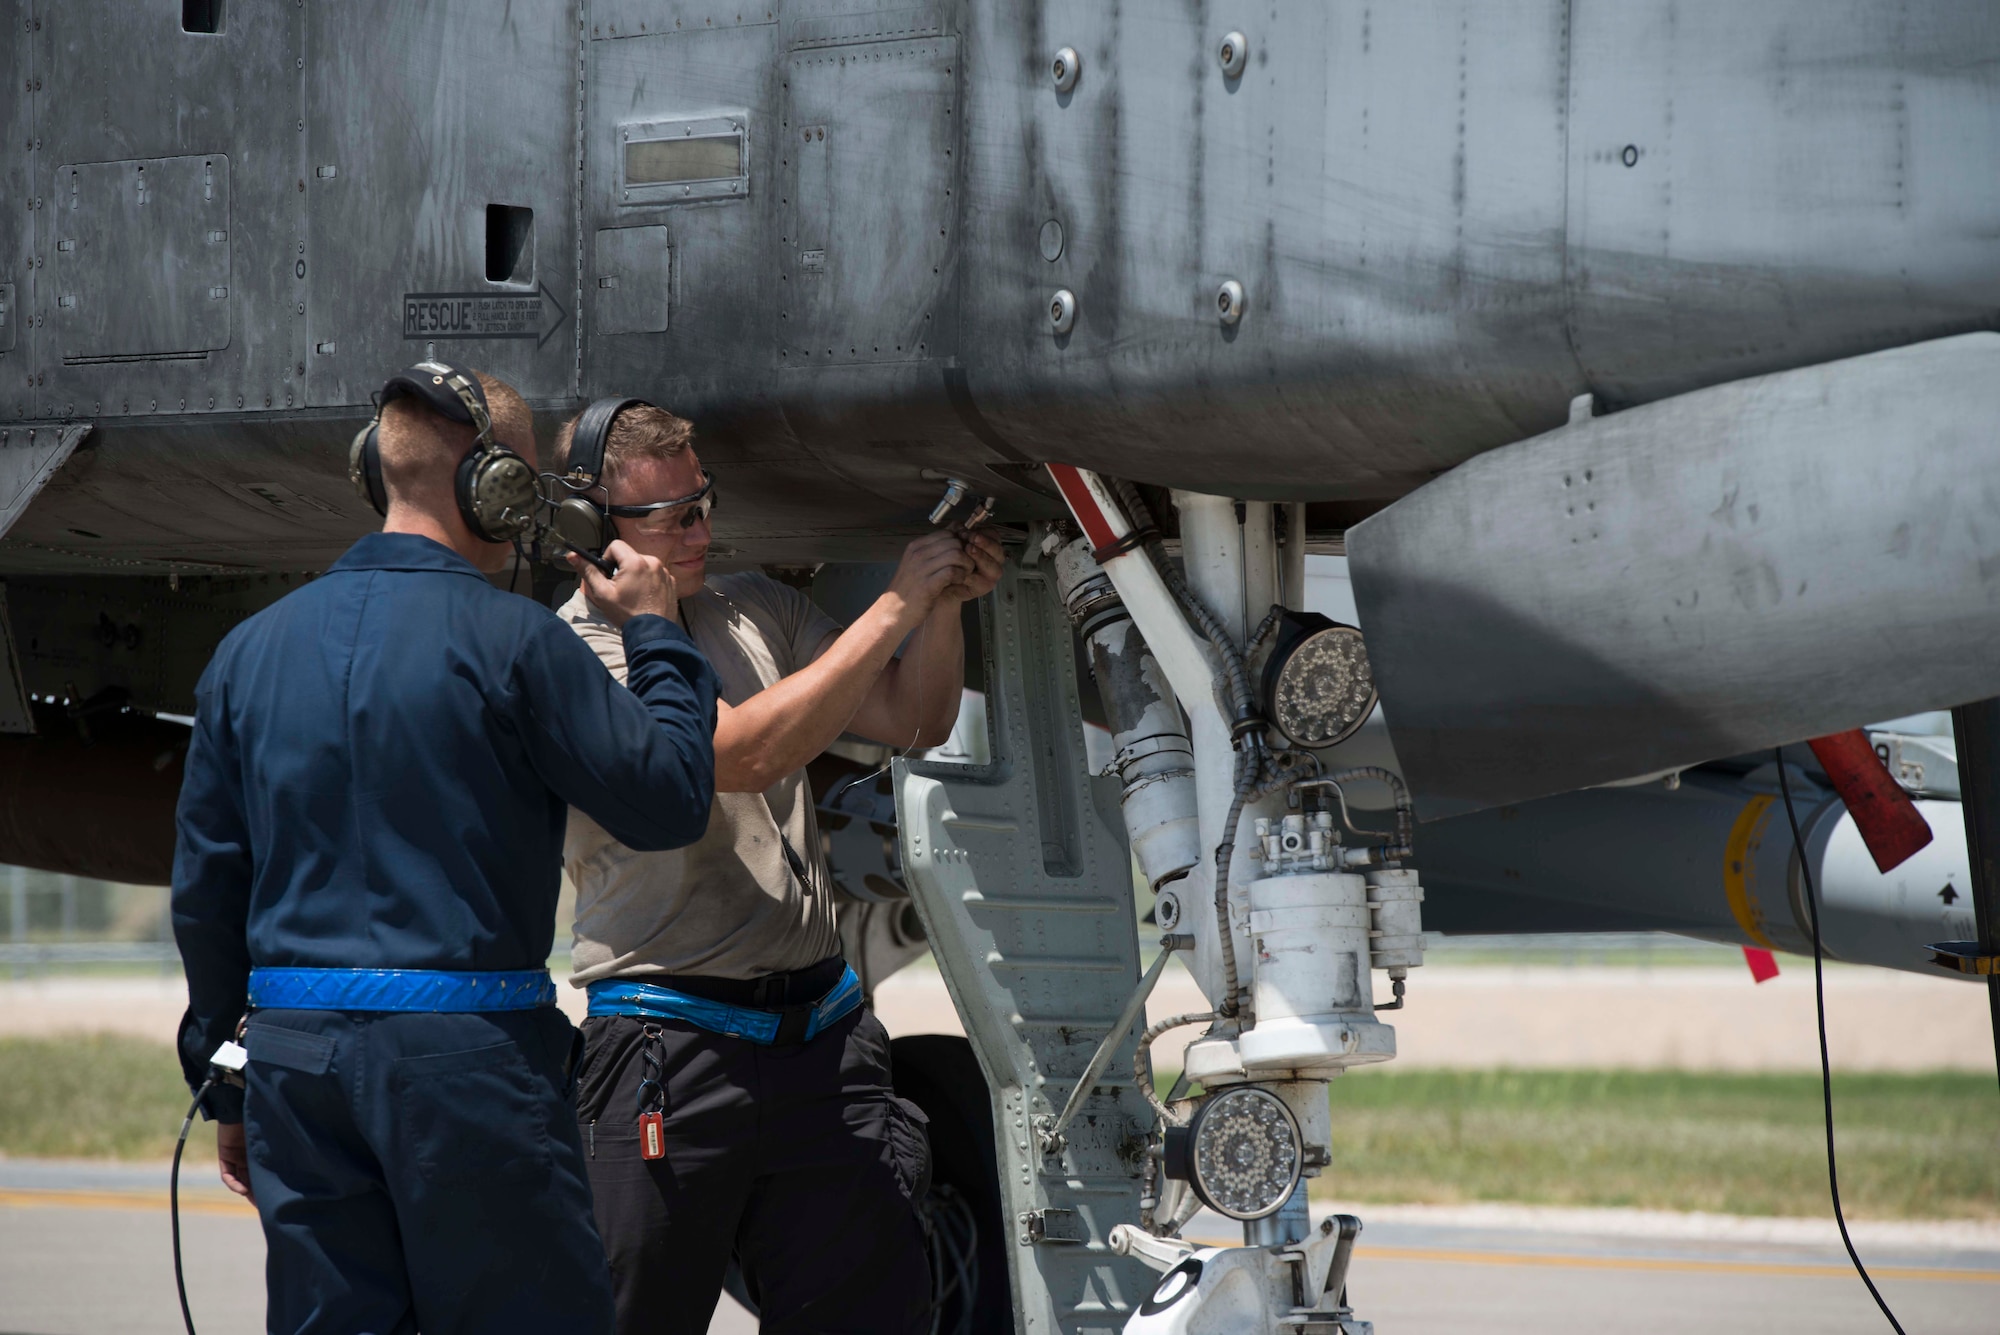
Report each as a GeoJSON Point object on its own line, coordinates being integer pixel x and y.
{"type": "Point", "coordinates": [799, 1161]}
{"type": "Point", "coordinates": [421, 1172]}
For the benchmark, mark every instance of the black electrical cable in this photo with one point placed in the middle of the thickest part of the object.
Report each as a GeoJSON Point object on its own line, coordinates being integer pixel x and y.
{"type": "Point", "coordinates": [1825, 1064]}
{"type": "Point", "coordinates": [174, 1198]}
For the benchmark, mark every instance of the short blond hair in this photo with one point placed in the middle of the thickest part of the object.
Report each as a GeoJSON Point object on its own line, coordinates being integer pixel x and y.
{"type": "Point", "coordinates": [421, 447]}
{"type": "Point", "coordinates": [640, 432]}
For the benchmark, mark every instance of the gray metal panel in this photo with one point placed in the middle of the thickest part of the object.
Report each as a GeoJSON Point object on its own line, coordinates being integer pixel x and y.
{"type": "Point", "coordinates": [174, 493]}
{"type": "Point", "coordinates": [630, 280]}
{"type": "Point", "coordinates": [29, 457]}
{"type": "Point", "coordinates": [638, 18]}
{"type": "Point", "coordinates": [1395, 186]}
{"type": "Point", "coordinates": [122, 83]}
{"type": "Point", "coordinates": [141, 257]}
{"type": "Point", "coordinates": [1776, 184]}
{"type": "Point", "coordinates": [870, 226]}
{"type": "Point", "coordinates": [1385, 181]}
{"type": "Point", "coordinates": [727, 280]}
{"type": "Point", "coordinates": [17, 220]}
{"type": "Point", "coordinates": [1026, 895]}
{"type": "Point", "coordinates": [1742, 566]}
{"type": "Point", "coordinates": [465, 105]}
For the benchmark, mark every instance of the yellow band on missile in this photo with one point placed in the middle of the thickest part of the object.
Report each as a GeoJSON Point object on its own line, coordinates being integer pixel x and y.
{"type": "Point", "coordinates": [1737, 863]}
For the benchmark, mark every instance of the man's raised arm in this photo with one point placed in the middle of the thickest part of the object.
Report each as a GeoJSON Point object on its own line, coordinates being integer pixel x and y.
{"type": "Point", "coordinates": [638, 761]}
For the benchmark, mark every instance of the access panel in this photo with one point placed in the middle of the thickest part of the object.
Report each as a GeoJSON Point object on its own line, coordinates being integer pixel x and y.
{"type": "Point", "coordinates": [867, 151]}
{"type": "Point", "coordinates": [141, 258]}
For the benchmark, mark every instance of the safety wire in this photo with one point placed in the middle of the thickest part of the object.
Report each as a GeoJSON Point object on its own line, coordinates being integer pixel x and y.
{"type": "Point", "coordinates": [1825, 1064]}
{"type": "Point", "coordinates": [174, 1199]}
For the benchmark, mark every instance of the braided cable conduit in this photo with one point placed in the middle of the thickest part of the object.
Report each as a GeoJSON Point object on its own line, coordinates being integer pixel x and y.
{"type": "Point", "coordinates": [1142, 1076]}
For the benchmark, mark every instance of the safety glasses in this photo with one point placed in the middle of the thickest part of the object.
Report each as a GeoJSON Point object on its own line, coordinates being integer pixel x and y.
{"type": "Point", "coordinates": [664, 516]}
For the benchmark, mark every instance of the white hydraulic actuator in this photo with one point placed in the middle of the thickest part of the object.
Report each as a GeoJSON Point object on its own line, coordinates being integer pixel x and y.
{"type": "Point", "coordinates": [1154, 758]}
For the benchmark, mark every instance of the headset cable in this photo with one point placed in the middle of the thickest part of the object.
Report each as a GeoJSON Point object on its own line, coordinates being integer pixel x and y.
{"type": "Point", "coordinates": [1825, 1063]}
{"type": "Point", "coordinates": [174, 1198]}
{"type": "Point", "coordinates": [226, 1066]}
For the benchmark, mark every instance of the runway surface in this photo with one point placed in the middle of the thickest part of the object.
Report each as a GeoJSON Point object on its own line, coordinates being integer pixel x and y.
{"type": "Point", "coordinates": [84, 1251]}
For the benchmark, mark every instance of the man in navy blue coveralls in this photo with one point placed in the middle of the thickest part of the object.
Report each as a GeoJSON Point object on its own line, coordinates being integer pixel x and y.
{"type": "Point", "coordinates": [376, 793]}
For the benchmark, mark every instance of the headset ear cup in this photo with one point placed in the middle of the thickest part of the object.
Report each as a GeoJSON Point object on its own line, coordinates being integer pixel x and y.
{"type": "Point", "coordinates": [464, 485]}
{"type": "Point", "coordinates": [581, 525]}
{"type": "Point", "coordinates": [364, 467]}
{"type": "Point", "coordinates": [491, 485]}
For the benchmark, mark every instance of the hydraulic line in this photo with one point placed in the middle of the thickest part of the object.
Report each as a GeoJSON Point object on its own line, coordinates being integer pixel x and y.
{"type": "Point", "coordinates": [1225, 851]}
{"type": "Point", "coordinates": [1142, 1076]}
{"type": "Point", "coordinates": [1263, 631]}
{"type": "Point", "coordinates": [1142, 1059]}
{"type": "Point", "coordinates": [1241, 697]}
{"type": "Point", "coordinates": [1405, 812]}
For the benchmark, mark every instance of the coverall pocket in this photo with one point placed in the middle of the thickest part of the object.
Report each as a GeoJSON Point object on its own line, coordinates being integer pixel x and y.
{"type": "Point", "coordinates": [910, 1148]}
{"type": "Point", "coordinates": [476, 1115]}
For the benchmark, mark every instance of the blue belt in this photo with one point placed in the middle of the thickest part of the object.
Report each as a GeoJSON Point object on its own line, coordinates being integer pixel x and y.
{"type": "Point", "coordinates": [400, 990]}
{"type": "Point", "coordinates": [794, 1024]}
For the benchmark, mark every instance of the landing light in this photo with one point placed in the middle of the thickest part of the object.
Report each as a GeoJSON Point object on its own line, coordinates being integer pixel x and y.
{"type": "Point", "coordinates": [1318, 689]}
{"type": "Point", "coordinates": [1241, 1153]}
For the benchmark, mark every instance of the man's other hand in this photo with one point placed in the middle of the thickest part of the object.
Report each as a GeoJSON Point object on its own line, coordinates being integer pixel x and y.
{"type": "Point", "coordinates": [643, 585]}
{"type": "Point", "coordinates": [930, 566]}
{"type": "Point", "coordinates": [234, 1156]}
{"type": "Point", "coordinates": [983, 549]}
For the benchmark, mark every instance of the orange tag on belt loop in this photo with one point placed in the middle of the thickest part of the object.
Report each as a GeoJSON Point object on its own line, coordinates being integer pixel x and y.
{"type": "Point", "coordinates": [652, 1136]}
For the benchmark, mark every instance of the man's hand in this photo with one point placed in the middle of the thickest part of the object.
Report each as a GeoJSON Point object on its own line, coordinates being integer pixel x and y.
{"type": "Point", "coordinates": [931, 566]}
{"type": "Point", "coordinates": [643, 585]}
{"type": "Point", "coordinates": [983, 550]}
{"type": "Point", "coordinates": [234, 1156]}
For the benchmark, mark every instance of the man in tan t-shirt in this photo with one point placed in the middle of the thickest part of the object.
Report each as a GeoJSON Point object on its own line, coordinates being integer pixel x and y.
{"type": "Point", "coordinates": [734, 1097]}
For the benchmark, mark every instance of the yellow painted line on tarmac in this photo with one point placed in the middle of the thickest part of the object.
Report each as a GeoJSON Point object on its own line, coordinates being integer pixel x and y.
{"type": "Point", "coordinates": [1555, 1260]}
{"type": "Point", "coordinates": [23, 1198]}
{"type": "Point", "coordinates": [27, 1198]}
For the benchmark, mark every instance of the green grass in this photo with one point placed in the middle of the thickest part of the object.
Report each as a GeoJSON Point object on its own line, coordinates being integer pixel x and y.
{"type": "Point", "coordinates": [96, 1097]}
{"type": "Point", "coordinates": [1911, 1146]}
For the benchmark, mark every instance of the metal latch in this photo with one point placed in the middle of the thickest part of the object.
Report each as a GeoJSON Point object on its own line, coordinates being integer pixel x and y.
{"type": "Point", "coordinates": [1053, 1225]}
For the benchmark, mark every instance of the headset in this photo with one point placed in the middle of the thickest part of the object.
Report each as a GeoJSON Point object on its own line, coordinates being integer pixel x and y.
{"type": "Point", "coordinates": [494, 487]}
{"type": "Point", "coordinates": [584, 525]}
